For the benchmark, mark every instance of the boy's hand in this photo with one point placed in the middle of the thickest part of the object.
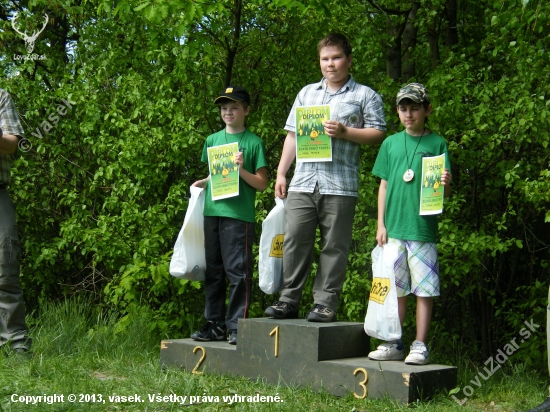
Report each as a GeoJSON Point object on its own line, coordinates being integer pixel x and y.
{"type": "Point", "coordinates": [239, 159]}
{"type": "Point", "coordinates": [382, 236]}
{"type": "Point", "coordinates": [334, 129]}
{"type": "Point", "coordinates": [200, 183]}
{"type": "Point", "coordinates": [446, 177]}
{"type": "Point", "coordinates": [280, 187]}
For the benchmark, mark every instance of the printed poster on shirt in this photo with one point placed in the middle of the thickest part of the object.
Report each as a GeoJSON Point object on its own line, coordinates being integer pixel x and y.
{"type": "Point", "coordinates": [312, 143]}
{"type": "Point", "coordinates": [224, 172]}
{"type": "Point", "coordinates": [431, 189]}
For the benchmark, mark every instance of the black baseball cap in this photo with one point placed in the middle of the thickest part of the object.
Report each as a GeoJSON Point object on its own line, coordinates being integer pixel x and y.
{"type": "Point", "coordinates": [235, 93]}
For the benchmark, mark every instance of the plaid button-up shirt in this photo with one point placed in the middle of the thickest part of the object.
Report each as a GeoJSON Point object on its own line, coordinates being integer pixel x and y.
{"type": "Point", "coordinates": [9, 123]}
{"type": "Point", "coordinates": [354, 105]}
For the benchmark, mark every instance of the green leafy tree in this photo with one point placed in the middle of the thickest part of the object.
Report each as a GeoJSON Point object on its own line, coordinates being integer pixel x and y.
{"type": "Point", "coordinates": [102, 193]}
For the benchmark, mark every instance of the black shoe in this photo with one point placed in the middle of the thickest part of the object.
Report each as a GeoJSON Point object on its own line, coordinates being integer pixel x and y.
{"type": "Point", "coordinates": [545, 406]}
{"type": "Point", "coordinates": [232, 336]}
{"type": "Point", "coordinates": [281, 310]}
{"type": "Point", "coordinates": [320, 313]}
{"type": "Point", "coordinates": [21, 352]}
{"type": "Point", "coordinates": [212, 330]}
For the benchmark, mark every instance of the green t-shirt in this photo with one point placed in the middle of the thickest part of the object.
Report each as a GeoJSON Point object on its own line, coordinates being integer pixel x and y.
{"type": "Point", "coordinates": [240, 207]}
{"type": "Point", "coordinates": [401, 217]}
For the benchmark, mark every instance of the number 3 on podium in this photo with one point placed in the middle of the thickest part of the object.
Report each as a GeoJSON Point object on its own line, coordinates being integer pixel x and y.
{"type": "Point", "coordinates": [362, 384]}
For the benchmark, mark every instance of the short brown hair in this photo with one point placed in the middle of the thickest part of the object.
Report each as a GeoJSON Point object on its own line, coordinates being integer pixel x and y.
{"type": "Point", "coordinates": [225, 100]}
{"type": "Point", "coordinates": [407, 102]}
{"type": "Point", "coordinates": [335, 39]}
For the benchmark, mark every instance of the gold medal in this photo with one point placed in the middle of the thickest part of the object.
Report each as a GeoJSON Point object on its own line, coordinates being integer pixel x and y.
{"type": "Point", "coordinates": [408, 176]}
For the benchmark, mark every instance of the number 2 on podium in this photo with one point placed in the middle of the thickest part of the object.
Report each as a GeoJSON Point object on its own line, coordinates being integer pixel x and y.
{"type": "Point", "coordinates": [195, 370]}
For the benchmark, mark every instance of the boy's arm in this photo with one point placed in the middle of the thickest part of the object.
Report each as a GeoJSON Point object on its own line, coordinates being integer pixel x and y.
{"type": "Point", "coordinates": [257, 180]}
{"type": "Point", "coordinates": [10, 128]}
{"type": "Point", "coordinates": [201, 183]}
{"type": "Point", "coordinates": [381, 234]}
{"type": "Point", "coordinates": [368, 136]}
{"type": "Point", "coordinates": [446, 178]}
{"type": "Point", "coordinates": [8, 143]}
{"type": "Point", "coordinates": [287, 157]}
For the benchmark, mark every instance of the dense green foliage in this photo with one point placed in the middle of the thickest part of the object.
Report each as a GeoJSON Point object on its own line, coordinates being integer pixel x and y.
{"type": "Point", "coordinates": [101, 196]}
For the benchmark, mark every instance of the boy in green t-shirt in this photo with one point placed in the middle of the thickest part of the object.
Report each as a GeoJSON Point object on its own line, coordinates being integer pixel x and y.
{"type": "Point", "coordinates": [399, 165]}
{"type": "Point", "coordinates": [229, 223]}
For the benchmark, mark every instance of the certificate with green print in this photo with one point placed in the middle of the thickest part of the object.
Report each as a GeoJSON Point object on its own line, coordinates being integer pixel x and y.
{"type": "Point", "coordinates": [431, 189]}
{"type": "Point", "coordinates": [224, 172]}
{"type": "Point", "coordinates": [312, 143]}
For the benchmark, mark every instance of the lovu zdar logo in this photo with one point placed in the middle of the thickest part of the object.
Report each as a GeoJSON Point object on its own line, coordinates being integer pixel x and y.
{"type": "Point", "coordinates": [277, 246]}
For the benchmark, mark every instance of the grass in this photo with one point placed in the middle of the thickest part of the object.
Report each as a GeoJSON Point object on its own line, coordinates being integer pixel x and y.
{"type": "Point", "coordinates": [78, 350]}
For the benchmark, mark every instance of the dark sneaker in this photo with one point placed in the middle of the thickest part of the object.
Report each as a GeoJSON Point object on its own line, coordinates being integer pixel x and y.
{"type": "Point", "coordinates": [545, 406]}
{"type": "Point", "coordinates": [232, 336]}
{"type": "Point", "coordinates": [320, 313]}
{"type": "Point", "coordinates": [20, 352]}
{"type": "Point", "coordinates": [212, 330]}
{"type": "Point", "coordinates": [281, 310]}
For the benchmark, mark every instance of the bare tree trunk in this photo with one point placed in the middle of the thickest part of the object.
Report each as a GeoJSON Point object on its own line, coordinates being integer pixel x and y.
{"type": "Point", "coordinates": [233, 46]}
{"type": "Point", "coordinates": [393, 61]}
{"type": "Point", "coordinates": [409, 43]}
{"type": "Point", "coordinates": [452, 32]}
{"type": "Point", "coordinates": [395, 32]}
{"type": "Point", "coordinates": [433, 41]}
{"type": "Point", "coordinates": [393, 55]}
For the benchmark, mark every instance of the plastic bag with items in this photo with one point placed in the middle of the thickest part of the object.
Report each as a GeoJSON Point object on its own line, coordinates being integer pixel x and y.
{"type": "Point", "coordinates": [188, 261]}
{"type": "Point", "coordinates": [270, 265]}
{"type": "Point", "coordinates": [382, 319]}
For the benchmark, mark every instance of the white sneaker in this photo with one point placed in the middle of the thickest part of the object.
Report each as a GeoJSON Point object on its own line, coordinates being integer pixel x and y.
{"type": "Point", "coordinates": [419, 354]}
{"type": "Point", "coordinates": [388, 351]}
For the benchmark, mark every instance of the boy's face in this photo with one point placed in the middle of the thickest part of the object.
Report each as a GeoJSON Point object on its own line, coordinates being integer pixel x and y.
{"type": "Point", "coordinates": [334, 64]}
{"type": "Point", "coordinates": [233, 113]}
{"type": "Point", "coordinates": [412, 116]}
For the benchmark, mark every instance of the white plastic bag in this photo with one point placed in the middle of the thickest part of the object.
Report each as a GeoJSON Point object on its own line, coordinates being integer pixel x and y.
{"type": "Point", "coordinates": [382, 319]}
{"type": "Point", "coordinates": [270, 264]}
{"type": "Point", "coordinates": [188, 260]}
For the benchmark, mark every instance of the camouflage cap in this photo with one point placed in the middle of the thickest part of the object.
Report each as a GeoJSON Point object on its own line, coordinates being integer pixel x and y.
{"type": "Point", "coordinates": [414, 91]}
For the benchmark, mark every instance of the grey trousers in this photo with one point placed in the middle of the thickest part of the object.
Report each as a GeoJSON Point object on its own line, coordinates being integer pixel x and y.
{"type": "Point", "coordinates": [13, 329]}
{"type": "Point", "coordinates": [228, 250]}
{"type": "Point", "coordinates": [334, 215]}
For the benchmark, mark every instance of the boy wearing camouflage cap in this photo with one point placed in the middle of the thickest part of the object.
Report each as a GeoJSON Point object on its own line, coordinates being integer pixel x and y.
{"type": "Point", "coordinates": [399, 165]}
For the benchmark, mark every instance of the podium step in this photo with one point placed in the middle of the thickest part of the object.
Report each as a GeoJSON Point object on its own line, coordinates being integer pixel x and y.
{"type": "Point", "coordinates": [322, 356]}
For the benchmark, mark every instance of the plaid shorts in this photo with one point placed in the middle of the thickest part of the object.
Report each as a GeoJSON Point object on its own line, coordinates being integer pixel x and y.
{"type": "Point", "coordinates": [416, 268]}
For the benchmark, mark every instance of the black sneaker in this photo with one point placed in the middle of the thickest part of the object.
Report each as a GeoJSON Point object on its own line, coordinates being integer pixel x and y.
{"type": "Point", "coordinates": [543, 407]}
{"type": "Point", "coordinates": [212, 330]}
{"type": "Point", "coordinates": [320, 313]}
{"type": "Point", "coordinates": [281, 310]}
{"type": "Point", "coordinates": [232, 336]}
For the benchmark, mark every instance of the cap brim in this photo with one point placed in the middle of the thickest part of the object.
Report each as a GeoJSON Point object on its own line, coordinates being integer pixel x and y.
{"type": "Point", "coordinates": [227, 97]}
{"type": "Point", "coordinates": [408, 96]}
